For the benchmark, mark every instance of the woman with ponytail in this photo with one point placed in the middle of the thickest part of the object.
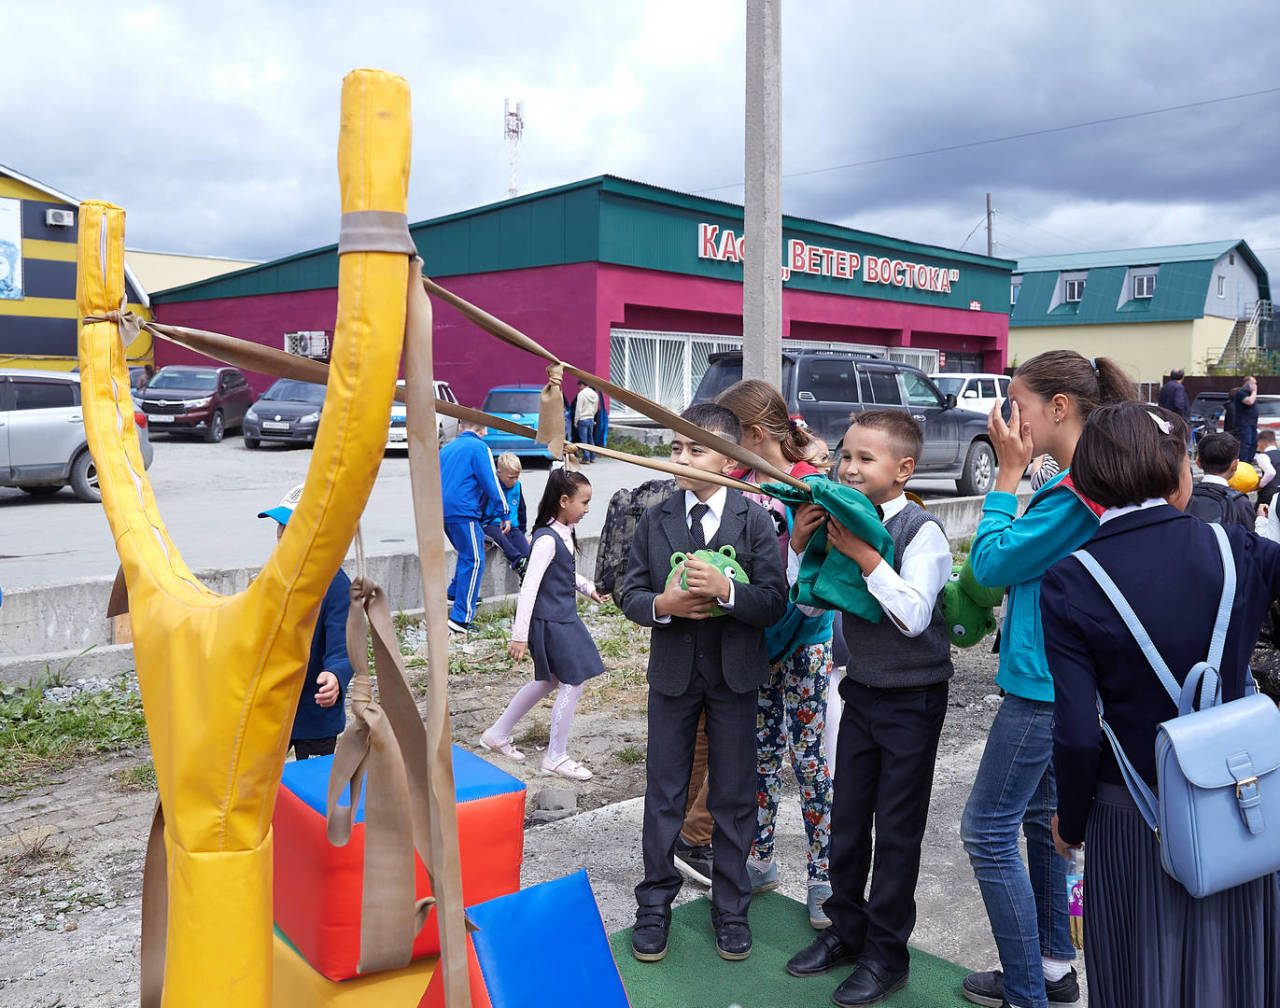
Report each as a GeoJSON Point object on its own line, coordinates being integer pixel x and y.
{"type": "Point", "coordinates": [1051, 396]}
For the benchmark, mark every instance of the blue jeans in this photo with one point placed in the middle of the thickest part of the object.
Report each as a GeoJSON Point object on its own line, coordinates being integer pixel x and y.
{"type": "Point", "coordinates": [1248, 442]}
{"type": "Point", "coordinates": [1015, 788]}
{"type": "Point", "coordinates": [585, 434]}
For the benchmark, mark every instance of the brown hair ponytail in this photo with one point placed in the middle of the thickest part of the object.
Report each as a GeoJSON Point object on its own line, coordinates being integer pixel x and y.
{"type": "Point", "coordinates": [1090, 382]}
{"type": "Point", "coordinates": [757, 403]}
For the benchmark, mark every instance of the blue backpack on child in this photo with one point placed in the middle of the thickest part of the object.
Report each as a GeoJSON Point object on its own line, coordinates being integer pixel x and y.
{"type": "Point", "coordinates": [1217, 768]}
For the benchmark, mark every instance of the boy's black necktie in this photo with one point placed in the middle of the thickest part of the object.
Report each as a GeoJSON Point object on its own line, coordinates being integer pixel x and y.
{"type": "Point", "coordinates": [695, 526]}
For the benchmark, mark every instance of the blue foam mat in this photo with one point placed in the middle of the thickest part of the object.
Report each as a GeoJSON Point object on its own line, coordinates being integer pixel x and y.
{"type": "Point", "coordinates": [545, 947]}
{"type": "Point", "coordinates": [473, 778]}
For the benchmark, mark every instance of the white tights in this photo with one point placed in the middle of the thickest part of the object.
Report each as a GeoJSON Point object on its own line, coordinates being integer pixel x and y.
{"type": "Point", "coordinates": [527, 697]}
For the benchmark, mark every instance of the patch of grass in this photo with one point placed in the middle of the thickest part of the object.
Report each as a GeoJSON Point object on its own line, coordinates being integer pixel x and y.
{"type": "Point", "coordinates": [537, 734]}
{"type": "Point", "coordinates": [137, 778]}
{"type": "Point", "coordinates": [634, 446]}
{"type": "Point", "coordinates": [37, 736]}
{"type": "Point", "coordinates": [630, 755]}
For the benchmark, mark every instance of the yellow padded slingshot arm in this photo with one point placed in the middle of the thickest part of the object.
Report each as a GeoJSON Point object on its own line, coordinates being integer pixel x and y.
{"type": "Point", "coordinates": [220, 675]}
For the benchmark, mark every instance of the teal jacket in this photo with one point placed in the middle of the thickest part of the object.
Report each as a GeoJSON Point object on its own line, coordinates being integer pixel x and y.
{"type": "Point", "coordinates": [1016, 553]}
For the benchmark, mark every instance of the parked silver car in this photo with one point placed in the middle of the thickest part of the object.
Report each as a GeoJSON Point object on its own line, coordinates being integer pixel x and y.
{"type": "Point", "coordinates": [42, 439]}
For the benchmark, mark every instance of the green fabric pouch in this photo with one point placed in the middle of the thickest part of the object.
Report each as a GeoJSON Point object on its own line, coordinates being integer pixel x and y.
{"type": "Point", "coordinates": [828, 578]}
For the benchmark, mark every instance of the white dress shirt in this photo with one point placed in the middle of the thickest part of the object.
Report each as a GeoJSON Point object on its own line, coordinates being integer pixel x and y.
{"type": "Point", "coordinates": [710, 526]}
{"type": "Point", "coordinates": [908, 597]}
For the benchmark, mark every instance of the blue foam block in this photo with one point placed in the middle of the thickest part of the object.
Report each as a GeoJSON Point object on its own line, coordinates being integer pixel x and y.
{"type": "Point", "coordinates": [517, 942]}
{"type": "Point", "coordinates": [473, 778]}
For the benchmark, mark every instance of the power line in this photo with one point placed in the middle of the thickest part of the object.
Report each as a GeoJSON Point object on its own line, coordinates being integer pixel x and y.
{"type": "Point", "coordinates": [1055, 234]}
{"type": "Point", "coordinates": [1012, 136]}
{"type": "Point", "coordinates": [981, 220]}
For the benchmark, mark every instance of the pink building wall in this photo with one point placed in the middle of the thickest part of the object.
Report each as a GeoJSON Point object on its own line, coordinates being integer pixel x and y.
{"type": "Point", "coordinates": [570, 309]}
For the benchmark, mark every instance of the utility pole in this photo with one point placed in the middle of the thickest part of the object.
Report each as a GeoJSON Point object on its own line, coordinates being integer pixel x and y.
{"type": "Point", "coordinates": [990, 242]}
{"type": "Point", "coordinates": [762, 202]}
{"type": "Point", "coordinates": [513, 125]}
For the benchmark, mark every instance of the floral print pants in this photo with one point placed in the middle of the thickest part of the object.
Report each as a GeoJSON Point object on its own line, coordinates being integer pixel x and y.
{"type": "Point", "coordinates": [790, 721]}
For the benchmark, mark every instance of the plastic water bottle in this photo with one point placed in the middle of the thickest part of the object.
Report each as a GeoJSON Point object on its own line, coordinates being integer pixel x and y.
{"type": "Point", "coordinates": [1075, 896]}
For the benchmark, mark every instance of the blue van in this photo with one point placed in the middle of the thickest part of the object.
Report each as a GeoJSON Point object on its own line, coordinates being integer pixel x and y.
{"type": "Point", "coordinates": [519, 404]}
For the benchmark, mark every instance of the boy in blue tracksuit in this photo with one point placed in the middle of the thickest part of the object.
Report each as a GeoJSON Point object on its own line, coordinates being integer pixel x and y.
{"type": "Point", "coordinates": [471, 489]}
{"type": "Point", "coordinates": [509, 533]}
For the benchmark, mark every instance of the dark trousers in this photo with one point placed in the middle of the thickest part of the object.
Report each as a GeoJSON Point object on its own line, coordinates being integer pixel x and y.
{"type": "Point", "coordinates": [1248, 442]}
{"type": "Point", "coordinates": [731, 798]}
{"type": "Point", "coordinates": [884, 774]}
{"type": "Point", "coordinates": [306, 748]}
{"type": "Point", "coordinates": [514, 545]}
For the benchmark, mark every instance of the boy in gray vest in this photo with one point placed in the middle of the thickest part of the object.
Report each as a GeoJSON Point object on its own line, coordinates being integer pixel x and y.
{"type": "Point", "coordinates": [895, 698]}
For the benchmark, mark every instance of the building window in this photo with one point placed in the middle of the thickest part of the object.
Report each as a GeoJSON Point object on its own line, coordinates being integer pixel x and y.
{"type": "Point", "coordinates": [1013, 294]}
{"type": "Point", "coordinates": [1222, 286]}
{"type": "Point", "coordinates": [1231, 259]}
{"type": "Point", "coordinates": [1144, 286]}
{"type": "Point", "coordinates": [1075, 290]}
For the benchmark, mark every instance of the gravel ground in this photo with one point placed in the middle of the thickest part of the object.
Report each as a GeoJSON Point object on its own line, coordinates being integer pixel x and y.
{"type": "Point", "coordinates": [71, 847]}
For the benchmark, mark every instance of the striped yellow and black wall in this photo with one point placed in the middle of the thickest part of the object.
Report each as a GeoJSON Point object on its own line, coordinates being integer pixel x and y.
{"type": "Point", "coordinates": [40, 329]}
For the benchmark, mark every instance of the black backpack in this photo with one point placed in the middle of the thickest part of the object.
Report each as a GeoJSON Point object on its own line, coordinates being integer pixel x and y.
{"type": "Point", "coordinates": [1216, 504]}
{"type": "Point", "coordinates": [1229, 415]}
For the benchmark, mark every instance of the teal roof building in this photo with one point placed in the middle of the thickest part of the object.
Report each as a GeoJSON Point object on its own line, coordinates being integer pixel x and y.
{"type": "Point", "coordinates": [1151, 309]}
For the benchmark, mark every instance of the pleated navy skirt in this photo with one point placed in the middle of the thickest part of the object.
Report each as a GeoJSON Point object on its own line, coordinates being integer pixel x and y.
{"type": "Point", "coordinates": [1149, 944]}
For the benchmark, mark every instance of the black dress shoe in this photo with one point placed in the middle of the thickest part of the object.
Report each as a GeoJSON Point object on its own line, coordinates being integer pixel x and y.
{"type": "Point", "coordinates": [825, 953]}
{"type": "Point", "coordinates": [868, 985]}
{"type": "Point", "coordinates": [733, 939]}
{"type": "Point", "coordinates": [649, 936]}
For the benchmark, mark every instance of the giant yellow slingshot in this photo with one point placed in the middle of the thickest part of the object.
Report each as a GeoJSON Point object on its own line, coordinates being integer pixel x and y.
{"type": "Point", "coordinates": [220, 675]}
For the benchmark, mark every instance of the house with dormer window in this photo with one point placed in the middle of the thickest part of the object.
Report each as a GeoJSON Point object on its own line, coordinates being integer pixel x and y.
{"type": "Point", "coordinates": [1149, 309]}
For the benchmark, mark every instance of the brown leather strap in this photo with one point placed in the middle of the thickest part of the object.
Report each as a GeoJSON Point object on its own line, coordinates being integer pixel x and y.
{"type": "Point", "coordinates": [496, 327]}
{"type": "Point", "coordinates": [118, 602]}
{"type": "Point", "coordinates": [428, 518]}
{"type": "Point", "coordinates": [373, 752]}
{"type": "Point", "coordinates": [155, 913]}
{"type": "Point", "coordinates": [281, 364]}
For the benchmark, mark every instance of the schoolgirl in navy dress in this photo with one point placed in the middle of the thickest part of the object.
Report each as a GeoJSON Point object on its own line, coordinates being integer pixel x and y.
{"type": "Point", "coordinates": [547, 625]}
{"type": "Point", "coordinates": [1147, 942]}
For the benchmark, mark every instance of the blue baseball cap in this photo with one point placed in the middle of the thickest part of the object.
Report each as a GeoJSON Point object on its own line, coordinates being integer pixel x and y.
{"type": "Point", "coordinates": [282, 511]}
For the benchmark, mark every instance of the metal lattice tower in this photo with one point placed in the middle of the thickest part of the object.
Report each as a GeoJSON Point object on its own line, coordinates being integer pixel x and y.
{"type": "Point", "coordinates": [513, 120]}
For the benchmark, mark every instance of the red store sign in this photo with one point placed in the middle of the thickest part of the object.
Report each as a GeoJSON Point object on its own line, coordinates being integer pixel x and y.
{"type": "Point", "coordinates": [818, 260]}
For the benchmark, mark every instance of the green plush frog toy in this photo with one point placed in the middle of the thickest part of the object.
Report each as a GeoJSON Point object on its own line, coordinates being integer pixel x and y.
{"type": "Point", "coordinates": [966, 607]}
{"type": "Point", "coordinates": [725, 560]}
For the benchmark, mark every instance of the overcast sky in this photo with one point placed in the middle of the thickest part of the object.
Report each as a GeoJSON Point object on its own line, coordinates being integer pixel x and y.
{"type": "Point", "coordinates": [215, 125]}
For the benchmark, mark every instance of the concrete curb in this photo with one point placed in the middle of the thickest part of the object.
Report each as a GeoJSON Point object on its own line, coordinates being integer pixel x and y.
{"type": "Point", "coordinates": [63, 627]}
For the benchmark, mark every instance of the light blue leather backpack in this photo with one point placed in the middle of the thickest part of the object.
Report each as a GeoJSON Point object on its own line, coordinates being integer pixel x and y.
{"type": "Point", "coordinates": [1217, 767]}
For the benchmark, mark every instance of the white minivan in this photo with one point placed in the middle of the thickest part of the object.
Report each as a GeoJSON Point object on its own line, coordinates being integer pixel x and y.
{"type": "Point", "coordinates": [976, 392]}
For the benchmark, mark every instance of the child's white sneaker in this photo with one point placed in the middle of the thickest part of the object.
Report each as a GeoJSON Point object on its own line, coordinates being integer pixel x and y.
{"type": "Point", "coordinates": [565, 767]}
{"type": "Point", "coordinates": [506, 748]}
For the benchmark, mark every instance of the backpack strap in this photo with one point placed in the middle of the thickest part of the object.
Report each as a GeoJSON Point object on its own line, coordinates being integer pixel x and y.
{"type": "Point", "coordinates": [1203, 674]}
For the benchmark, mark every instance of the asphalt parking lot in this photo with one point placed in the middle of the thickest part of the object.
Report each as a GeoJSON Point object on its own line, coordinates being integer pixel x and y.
{"type": "Point", "coordinates": [210, 495]}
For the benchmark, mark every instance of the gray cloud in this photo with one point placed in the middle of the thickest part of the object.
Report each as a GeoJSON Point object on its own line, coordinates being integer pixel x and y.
{"type": "Point", "coordinates": [215, 127]}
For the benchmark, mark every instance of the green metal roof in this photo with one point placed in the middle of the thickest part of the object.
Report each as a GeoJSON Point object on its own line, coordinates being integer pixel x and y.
{"type": "Point", "coordinates": [1153, 256]}
{"type": "Point", "coordinates": [1181, 288]}
{"type": "Point", "coordinates": [612, 220]}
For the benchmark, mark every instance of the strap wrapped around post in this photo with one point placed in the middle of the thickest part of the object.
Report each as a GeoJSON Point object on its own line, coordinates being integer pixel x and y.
{"type": "Point", "coordinates": [384, 750]}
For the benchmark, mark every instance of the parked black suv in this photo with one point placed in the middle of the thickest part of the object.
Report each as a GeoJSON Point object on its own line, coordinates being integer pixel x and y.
{"type": "Point", "coordinates": [822, 387]}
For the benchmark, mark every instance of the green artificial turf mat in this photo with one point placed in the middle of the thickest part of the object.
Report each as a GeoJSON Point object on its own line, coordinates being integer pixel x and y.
{"type": "Point", "coordinates": [694, 976]}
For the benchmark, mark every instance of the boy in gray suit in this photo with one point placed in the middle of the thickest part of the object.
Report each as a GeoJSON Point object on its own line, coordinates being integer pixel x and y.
{"type": "Point", "coordinates": [700, 664]}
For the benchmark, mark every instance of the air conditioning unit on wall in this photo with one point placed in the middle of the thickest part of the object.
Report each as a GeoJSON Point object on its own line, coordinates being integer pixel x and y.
{"type": "Point", "coordinates": [308, 343]}
{"type": "Point", "coordinates": [60, 218]}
